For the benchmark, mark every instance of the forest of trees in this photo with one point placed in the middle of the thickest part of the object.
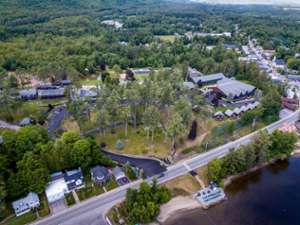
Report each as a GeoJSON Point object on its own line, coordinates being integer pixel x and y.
{"type": "Point", "coordinates": [265, 148]}
{"type": "Point", "coordinates": [28, 156]}
{"type": "Point", "coordinates": [60, 38]}
{"type": "Point", "coordinates": [143, 205]}
{"type": "Point", "coordinates": [66, 39]}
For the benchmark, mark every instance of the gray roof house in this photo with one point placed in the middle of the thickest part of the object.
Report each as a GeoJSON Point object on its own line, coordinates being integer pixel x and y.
{"type": "Point", "coordinates": [29, 94]}
{"type": "Point", "coordinates": [25, 122]}
{"type": "Point", "coordinates": [279, 63]}
{"type": "Point", "coordinates": [193, 72]}
{"type": "Point", "coordinates": [202, 80]}
{"type": "Point", "coordinates": [237, 111]}
{"type": "Point", "coordinates": [74, 179]}
{"type": "Point", "coordinates": [295, 78]}
{"type": "Point", "coordinates": [51, 93]}
{"type": "Point", "coordinates": [100, 174]}
{"type": "Point", "coordinates": [229, 113]}
{"type": "Point", "coordinates": [233, 89]}
{"type": "Point", "coordinates": [25, 204]}
{"type": "Point", "coordinates": [87, 93]}
{"type": "Point", "coordinates": [188, 85]}
{"type": "Point", "coordinates": [120, 176]}
{"type": "Point", "coordinates": [211, 79]}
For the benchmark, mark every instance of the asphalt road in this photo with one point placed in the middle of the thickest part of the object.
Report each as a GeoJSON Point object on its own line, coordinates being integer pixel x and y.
{"type": "Point", "coordinates": [92, 211]}
{"type": "Point", "coordinates": [150, 166]}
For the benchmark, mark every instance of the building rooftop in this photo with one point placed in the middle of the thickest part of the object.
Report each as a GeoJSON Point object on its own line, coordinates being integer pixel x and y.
{"type": "Point", "coordinates": [188, 85]}
{"type": "Point", "coordinates": [25, 121]}
{"type": "Point", "coordinates": [28, 202]}
{"type": "Point", "coordinates": [99, 172]}
{"type": "Point", "coordinates": [211, 77]}
{"type": "Point", "coordinates": [28, 92]}
{"type": "Point", "coordinates": [57, 175]}
{"type": "Point", "coordinates": [87, 93]}
{"type": "Point", "coordinates": [56, 189]}
{"type": "Point", "coordinates": [228, 112]}
{"type": "Point", "coordinates": [279, 62]}
{"type": "Point", "coordinates": [118, 173]}
{"type": "Point", "coordinates": [57, 92]}
{"type": "Point", "coordinates": [193, 72]}
{"type": "Point", "coordinates": [233, 88]}
{"type": "Point", "coordinates": [74, 178]}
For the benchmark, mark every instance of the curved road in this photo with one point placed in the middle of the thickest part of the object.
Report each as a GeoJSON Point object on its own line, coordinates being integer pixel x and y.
{"type": "Point", "coordinates": [150, 166]}
{"type": "Point", "coordinates": [92, 211]}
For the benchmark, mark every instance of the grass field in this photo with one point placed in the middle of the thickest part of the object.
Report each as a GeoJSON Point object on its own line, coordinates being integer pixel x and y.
{"type": "Point", "coordinates": [89, 191]}
{"type": "Point", "coordinates": [21, 220]}
{"type": "Point", "coordinates": [90, 82]}
{"type": "Point", "coordinates": [186, 185]}
{"type": "Point", "coordinates": [70, 199]}
{"type": "Point", "coordinates": [170, 38]}
{"type": "Point", "coordinates": [111, 184]}
{"type": "Point", "coordinates": [137, 143]}
{"type": "Point", "coordinates": [70, 124]}
{"type": "Point", "coordinates": [44, 207]}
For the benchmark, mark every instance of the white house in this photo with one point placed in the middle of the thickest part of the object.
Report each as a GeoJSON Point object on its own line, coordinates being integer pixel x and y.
{"type": "Point", "coordinates": [57, 187]}
{"type": "Point", "coordinates": [25, 204]}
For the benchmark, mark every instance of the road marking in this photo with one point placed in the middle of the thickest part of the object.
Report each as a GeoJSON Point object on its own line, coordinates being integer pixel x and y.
{"type": "Point", "coordinates": [187, 166]}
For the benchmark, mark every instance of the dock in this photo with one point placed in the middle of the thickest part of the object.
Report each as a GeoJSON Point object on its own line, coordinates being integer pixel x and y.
{"type": "Point", "coordinates": [210, 196]}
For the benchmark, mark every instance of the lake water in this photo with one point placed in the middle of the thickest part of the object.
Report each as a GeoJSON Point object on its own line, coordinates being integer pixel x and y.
{"type": "Point", "coordinates": [270, 196]}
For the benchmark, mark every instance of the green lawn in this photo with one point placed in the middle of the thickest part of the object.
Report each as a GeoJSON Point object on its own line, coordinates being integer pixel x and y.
{"type": "Point", "coordinates": [111, 184]}
{"type": "Point", "coordinates": [137, 143]}
{"type": "Point", "coordinates": [70, 199]}
{"type": "Point", "coordinates": [20, 220]}
{"type": "Point", "coordinates": [170, 38]}
{"type": "Point", "coordinates": [44, 207]}
{"type": "Point", "coordinates": [90, 82]}
{"type": "Point", "coordinates": [89, 191]}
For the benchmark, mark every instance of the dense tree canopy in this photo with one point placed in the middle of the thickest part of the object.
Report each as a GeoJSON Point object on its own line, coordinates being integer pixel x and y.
{"type": "Point", "coordinates": [265, 148]}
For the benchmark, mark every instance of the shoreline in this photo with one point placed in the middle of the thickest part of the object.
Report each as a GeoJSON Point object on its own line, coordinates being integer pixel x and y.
{"type": "Point", "coordinates": [227, 181]}
{"type": "Point", "coordinates": [176, 205]}
{"type": "Point", "coordinates": [180, 205]}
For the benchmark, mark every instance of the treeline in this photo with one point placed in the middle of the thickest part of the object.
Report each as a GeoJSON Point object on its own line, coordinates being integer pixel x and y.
{"type": "Point", "coordinates": [75, 57]}
{"type": "Point", "coordinates": [265, 148]}
{"type": "Point", "coordinates": [143, 205]}
{"type": "Point", "coordinates": [28, 156]}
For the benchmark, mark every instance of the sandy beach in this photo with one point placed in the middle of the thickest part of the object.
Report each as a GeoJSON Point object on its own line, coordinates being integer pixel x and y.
{"type": "Point", "coordinates": [176, 205]}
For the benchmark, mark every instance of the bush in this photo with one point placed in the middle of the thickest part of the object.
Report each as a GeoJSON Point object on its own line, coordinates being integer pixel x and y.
{"type": "Point", "coordinates": [143, 205]}
{"type": "Point", "coordinates": [130, 172]}
{"type": "Point", "coordinates": [119, 144]}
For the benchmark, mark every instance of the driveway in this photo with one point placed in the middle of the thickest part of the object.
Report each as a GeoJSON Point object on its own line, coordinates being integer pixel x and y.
{"type": "Point", "coordinates": [58, 206]}
{"type": "Point", "coordinates": [151, 167]}
{"type": "Point", "coordinates": [58, 115]}
{"type": "Point", "coordinates": [6, 125]}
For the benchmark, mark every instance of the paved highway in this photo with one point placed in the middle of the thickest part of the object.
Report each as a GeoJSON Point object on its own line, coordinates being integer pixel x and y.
{"type": "Point", "coordinates": [92, 211]}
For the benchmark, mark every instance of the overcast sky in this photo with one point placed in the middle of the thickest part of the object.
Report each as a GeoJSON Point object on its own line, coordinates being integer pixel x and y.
{"type": "Point", "coordinates": [275, 2]}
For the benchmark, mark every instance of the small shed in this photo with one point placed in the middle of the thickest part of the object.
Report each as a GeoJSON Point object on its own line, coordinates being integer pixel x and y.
{"type": "Point", "coordinates": [237, 111]}
{"type": "Point", "coordinates": [25, 122]}
{"type": "Point", "coordinates": [219, 115]}
{"type": "Point", "coordinates": [229, 113]}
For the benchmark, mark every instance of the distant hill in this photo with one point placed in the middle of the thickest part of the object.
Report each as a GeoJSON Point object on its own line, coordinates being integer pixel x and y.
{"type": "Point", "coordinates": [260, 2]}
